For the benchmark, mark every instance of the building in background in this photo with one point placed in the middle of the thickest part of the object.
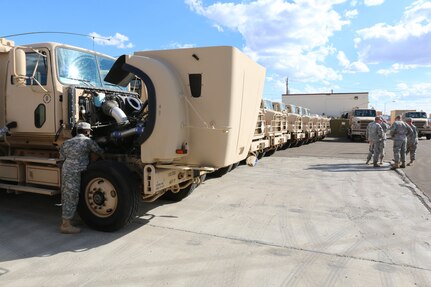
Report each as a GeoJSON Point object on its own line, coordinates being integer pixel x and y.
{"type": "Point", "coordinates": [329, 104]}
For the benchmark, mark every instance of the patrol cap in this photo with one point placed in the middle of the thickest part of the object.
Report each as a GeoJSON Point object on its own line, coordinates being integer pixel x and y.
{"type": "Point", "coordinates": [408, 119]}
{"type": "Point", "coordinates": [83, 126]}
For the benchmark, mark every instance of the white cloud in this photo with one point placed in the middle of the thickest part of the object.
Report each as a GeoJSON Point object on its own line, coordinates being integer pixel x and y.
{"type": "Point", "coordinates": [290, 37]}
{"type": "Point", "coordinates": [373, 2]}
{"type": "Point", "coordinates": [349, 67]}
{"type": "Point", "coordinates": [351, 13]}
{"type": "Point", "coordinates": [118, 40]}
{"type": "Point", "coordinates": [395, 68]}
{"type": "Point", "coordinates": [176, 45]}
{"type": "Point", "coordinates": [407, 42]}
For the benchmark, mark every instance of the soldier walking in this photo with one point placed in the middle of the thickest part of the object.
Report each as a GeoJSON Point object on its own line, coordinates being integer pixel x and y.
{"type": "Point", "coordinates": [375, 137]}
{"type": "Point", "coordinates": [75, 152]}
{"type": "Point", "coordinates": [412, 141]}
{"type": "Point", "coordinates": [399, 132]}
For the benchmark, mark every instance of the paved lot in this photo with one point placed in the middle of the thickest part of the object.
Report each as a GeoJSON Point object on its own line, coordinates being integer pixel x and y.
{"type": "Point", "coordinates": [303, 217]}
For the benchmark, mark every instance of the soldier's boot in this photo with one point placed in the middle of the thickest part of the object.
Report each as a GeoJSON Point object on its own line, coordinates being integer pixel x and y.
{"type": "Point", "coordinates": [375, 164]}
{"type": "Point", "coordinates": [411, 163]}
{"type": "Point", "coordinates": [381, 161]}
{"type": "Point", "coordinates": [403, 164]}
{"type": "Point", "coordinates": [368, 161]}
{"type": "Point", "coordinates": [67, 228]}
{"type": "Point", "coordinates": [395, 166]}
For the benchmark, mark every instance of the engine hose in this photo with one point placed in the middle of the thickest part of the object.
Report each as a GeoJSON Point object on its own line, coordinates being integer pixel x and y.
{"type": "Point", "coordinates": [111, 108]}
{"type": "Point", "coordinates": [127, 133]}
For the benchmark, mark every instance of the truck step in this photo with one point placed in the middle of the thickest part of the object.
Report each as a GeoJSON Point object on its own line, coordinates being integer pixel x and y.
{"type": "Point", "coordinates": [31, 189]}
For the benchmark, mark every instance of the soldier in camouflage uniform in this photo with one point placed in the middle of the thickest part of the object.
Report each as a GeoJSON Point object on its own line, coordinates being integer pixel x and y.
{"type": "Point", "coordinates": [75, 152]}
{"type": "Point", "coordinates": [374, 137]}
{"type": "Point", "coordinates": [385, 128]}
{"type": "Point", "coordinates": [412, 141]}
{"type": "Point", "coordinates": [5, 130]}
{"type": "Point", "coordinates": [399, 132]}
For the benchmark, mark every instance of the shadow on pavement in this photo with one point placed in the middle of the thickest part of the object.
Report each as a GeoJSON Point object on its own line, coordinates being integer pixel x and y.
{"type": "Point", "coordinates": [349, 167]}
{"type": "Point", "coordinates": [29, 227]}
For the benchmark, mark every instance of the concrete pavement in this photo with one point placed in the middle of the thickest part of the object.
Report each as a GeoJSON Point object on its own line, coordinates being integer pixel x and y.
{"type": "Point", "coordinates": [289, 221]}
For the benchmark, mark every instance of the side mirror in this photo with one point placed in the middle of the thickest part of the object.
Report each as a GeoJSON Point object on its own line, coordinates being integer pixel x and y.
{"type": "Point", "coordinates": [19, 67]}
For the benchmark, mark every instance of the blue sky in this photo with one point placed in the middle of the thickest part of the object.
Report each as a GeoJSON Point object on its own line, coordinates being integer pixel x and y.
{"type": "Point", "coordinates": [378, 46]}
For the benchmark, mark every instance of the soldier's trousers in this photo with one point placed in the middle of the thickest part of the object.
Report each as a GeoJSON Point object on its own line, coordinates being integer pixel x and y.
{"type": "Point", "coordinates": [382, 149]}
{"type": "Point", "coordinates": [70, 192]}
{"type": "Point", "coordinates": [400, 150]}
{"type": "Point", "coordinates": [411, 148]}
{"type": "Point", "coordinates": [374, 150]}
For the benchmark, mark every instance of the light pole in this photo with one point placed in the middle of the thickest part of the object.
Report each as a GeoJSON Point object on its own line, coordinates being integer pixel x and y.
{"type": "Point", "coordinates": [384, 110]}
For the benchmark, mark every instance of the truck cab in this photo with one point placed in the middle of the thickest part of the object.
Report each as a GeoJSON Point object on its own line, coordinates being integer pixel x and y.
{"type": "Point", "coordinates": [420, 120]}
{"type": "Point", "coordinates": [358, 122]}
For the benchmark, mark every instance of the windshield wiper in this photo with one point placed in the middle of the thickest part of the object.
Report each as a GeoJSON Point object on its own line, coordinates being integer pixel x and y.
{"type": "Point", "coordinates": [87, 82]}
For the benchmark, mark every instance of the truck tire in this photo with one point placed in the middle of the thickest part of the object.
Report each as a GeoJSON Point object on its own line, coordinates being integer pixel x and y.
{"type": "Point", "coordinates": [428, 137]}
{"type": "Point", "coordinates": [180, 195]}
{"type": "Point", "coordinates": [109, 197]}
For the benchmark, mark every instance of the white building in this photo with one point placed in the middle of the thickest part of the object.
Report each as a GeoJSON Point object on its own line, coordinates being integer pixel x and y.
{"type": "Point", "coordinates": [329, 104]}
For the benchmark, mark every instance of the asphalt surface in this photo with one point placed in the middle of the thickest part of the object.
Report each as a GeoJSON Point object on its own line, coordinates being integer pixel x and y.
{"type": "Point", "coordinates": [419, 173]}
{"type": "Point", "coordinates": [309, 216]}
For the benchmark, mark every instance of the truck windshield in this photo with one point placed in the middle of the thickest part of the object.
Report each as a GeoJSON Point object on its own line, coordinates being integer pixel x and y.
{"type": "Point", "coordinates": [365, 113]}
{"type": "Point", "coordinates": [85, 69]}
{"type": "Point", "coordinates": [416, 115]}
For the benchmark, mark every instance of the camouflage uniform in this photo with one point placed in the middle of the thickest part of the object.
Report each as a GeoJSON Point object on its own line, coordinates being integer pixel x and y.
{"type": "Point", "coordinates": [76, 153]}
{"type": "Point", "coordinates": [399, 132]}
{"type": "Point", "coordinates": [412, 143]}
{"type": "Point", "coordinates": [385, 128]}
{"type": "Point", "coordinates": [375, 137]}
{"type": "Point", "coordinates": [3, 131]}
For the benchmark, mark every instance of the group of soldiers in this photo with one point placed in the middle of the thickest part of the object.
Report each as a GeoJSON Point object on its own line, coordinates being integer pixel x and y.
{"type": "Point", "coordinates": [403, 133]}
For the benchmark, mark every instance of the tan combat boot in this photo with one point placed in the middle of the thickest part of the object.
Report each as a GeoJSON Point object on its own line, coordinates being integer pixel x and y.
{"type": "Point", "coordinates": [395, 166]}
{"type": "Point", "coordinates": [410, 163]}
{"type": "Point", "coordinates": [403, 164]}
{"type": "Point", "coordinates": [67, 228]}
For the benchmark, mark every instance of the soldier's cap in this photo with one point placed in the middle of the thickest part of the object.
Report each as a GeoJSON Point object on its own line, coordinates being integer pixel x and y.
{"type": "Point", "coordinates": [408, 119]}
{"type": "Point", "coordinates": [83, 126]}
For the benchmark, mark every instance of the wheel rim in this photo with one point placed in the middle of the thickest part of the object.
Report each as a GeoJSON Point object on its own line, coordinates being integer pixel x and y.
{"type": "Point", "coordinates": [101, 197]}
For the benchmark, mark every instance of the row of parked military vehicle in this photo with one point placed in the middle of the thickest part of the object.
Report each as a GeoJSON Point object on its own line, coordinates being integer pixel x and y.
{"type": "Point", "coordinates": [280, 126]}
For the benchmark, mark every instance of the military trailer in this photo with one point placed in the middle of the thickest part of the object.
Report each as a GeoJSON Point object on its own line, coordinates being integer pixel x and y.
{"type": "Point", "coordinates": [195, 112]}
{"type": "Point", "coordinates": [358, 122]}
{"type": "Point", "coordinates": [420, 120]}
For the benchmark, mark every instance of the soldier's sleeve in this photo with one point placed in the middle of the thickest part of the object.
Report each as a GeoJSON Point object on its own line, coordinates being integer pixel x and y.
{"type": "Point", "coordinates": [62, 155]}
{"type": "Point", "coordinates": [95, 147]}
{"type": "Point", "coordinates": [409, 130]}
{"type": "Point", "coordinates": [3, 131]}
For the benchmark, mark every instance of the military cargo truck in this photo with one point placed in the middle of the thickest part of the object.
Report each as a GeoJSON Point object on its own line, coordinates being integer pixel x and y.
{"type": "Point", "coordinates": [420, 120]}
{"type": "Point", "coordinates": [294, 125]}
{"type": "Point", "coordinates": [358, 122]}
{"type": "Point", "coordinates": [195, 113]}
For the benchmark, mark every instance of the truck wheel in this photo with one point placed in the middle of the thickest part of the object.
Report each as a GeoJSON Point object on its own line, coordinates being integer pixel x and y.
{"type": "Point", "coordinates": [270, 152]}
{"type": "Point", "coordinates": [428, 137]}
{"type": "Point", "coordinates": [180, 195]}
{"type": "Point", "coordinates": [109, 197]}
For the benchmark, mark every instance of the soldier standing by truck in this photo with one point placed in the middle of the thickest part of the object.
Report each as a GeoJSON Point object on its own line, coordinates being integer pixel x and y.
{"type": "Point", "coordinates": [412, 141]}
{"type": "Point", "coordinates": [375, 137]}
{"type": "Point", "coordinates": [399, 132]}
{"type": "Point", "coordinates": [76, 152]}
{"type": "Point", "coordinates": [5, 130]}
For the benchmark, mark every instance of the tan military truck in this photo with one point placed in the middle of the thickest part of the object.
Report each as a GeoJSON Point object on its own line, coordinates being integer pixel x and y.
{"type": "Point", "coordinates": [294, 125]}
{"type": "Point", "coordinates": [420, 120]}
{"type": "Point", "coordinates": [196, 113]}
{"type": "Point", "coordinates": [273, 126]}
{"type": "Point", "coordinates": [358, 122]}
{"type": "Point", "coordinates": [281, 107]}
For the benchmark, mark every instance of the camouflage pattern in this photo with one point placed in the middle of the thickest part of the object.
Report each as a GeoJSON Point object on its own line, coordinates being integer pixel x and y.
{"type": "Point", "coordinates": [3, 131]}
{"type": "Point", "coordinates": [76, 153]}
{"type": "Point", "coordinates": [399, 132]}
{"type": "Point", "coordinates": [375, 137]}
{"type": "Point", "coordinates": [385, 128]}
{"type": "Point", "coordinates": [412, 143]}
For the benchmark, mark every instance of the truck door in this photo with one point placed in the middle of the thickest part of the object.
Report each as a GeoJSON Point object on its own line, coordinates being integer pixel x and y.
{"type": "Point", "coordinates": [32, 105]}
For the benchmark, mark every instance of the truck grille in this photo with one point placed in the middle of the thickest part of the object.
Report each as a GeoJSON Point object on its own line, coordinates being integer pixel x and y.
{"type": "Point", "coordinates": [364, 124]}
{"type": "Point", "coordinates": [419, 124]}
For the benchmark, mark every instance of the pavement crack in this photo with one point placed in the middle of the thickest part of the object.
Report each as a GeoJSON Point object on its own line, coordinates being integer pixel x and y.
{"type": "Point", "coordinates": [264, 243]}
